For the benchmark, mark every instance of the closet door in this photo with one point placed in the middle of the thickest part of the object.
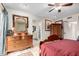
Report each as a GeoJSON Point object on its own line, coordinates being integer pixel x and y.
{"type": "Point", "coordinates": [70, 30]}
{"type": "Point", "coordinates": [67, 32]}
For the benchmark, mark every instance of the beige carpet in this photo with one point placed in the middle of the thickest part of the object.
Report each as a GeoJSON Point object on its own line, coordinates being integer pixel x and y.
{"type": "Point", "coordinates": [29, 53]}
{"type": "Point", "coordinates": [34, 51]}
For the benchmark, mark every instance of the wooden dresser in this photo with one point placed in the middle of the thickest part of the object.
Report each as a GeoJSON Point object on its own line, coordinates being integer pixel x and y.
{"type": "Point", "coordinates": [15, 43]}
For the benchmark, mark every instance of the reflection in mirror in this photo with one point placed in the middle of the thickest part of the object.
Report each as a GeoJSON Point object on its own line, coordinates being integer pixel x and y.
{"type": "Point", "coordinates": [20, 25]}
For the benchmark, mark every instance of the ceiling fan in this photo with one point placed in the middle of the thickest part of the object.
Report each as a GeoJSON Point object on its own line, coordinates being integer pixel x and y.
{"type": "Point", "coordinates": [59, 5]}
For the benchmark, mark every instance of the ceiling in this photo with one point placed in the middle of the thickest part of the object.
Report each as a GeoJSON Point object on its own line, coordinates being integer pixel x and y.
{"type": "Point", "coordinates": [42, 9]}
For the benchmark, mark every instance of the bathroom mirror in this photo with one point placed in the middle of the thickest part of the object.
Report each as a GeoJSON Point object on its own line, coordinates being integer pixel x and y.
{"type": "Point", "coordinates": [20, 23]}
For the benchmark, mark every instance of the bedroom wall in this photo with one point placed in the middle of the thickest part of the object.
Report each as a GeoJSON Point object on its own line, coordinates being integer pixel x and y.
{"type": "Point", "coordinates": [71, 26]}
{"type": "Point", "coordinates": [36, 32]}
{"type": "Point", "coordinates": [30, 16]}
{"type": "Point", "coordinates": [43, 33]}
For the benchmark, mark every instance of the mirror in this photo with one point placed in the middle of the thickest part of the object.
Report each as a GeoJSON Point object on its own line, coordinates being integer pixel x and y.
{"type": "Point", "coordinates": [20, 23]}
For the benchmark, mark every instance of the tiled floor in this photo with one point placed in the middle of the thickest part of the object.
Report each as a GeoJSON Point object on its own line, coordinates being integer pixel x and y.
{"type": "Point", "coordinates": [33, 50]}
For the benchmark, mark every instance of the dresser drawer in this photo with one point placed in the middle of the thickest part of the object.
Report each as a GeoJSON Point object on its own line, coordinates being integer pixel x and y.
{"type": "Point", "coordinates": [10, 43]}
{"type": "Point", "coordinates": [11, 48]}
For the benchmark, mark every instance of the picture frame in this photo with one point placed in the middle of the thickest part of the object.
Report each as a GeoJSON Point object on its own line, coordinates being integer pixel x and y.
{"type": "Point", "coordinates": [47, 24]}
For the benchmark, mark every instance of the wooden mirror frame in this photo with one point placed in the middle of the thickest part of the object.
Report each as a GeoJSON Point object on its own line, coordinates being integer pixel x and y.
{"type": "Point", "coordinates": [14, 16]}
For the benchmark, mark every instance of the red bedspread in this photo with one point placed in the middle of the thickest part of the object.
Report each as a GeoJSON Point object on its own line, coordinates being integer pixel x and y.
{"type": "Point", "coordinates": [60, 48]}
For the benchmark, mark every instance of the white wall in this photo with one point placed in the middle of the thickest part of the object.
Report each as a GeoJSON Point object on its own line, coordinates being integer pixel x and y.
{"type": "Point", "coordinates": [36, 33]}
{"type": "Point", "coordinates": [71, 27]}
{"type": "Point", "coordinates": [44, 33]}
{"type": "Point", "coordinates": [22, 13]}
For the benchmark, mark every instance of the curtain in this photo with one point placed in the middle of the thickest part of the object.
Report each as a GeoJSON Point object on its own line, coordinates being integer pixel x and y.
{"type": "Point", "coordinates": [5, 28]}
{"type": "Point", "coordinates": [3, 31]}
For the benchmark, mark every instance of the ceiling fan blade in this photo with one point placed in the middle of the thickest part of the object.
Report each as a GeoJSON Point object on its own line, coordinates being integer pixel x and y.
{"type": "Point", "coordinates": [51, 10]}
{"type": "Point", "coordinates": [68, 4]}
{"type": "Point", "coordinates": [50, 5]}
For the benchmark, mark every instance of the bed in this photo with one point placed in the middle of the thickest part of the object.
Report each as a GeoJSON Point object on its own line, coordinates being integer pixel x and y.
{"type": "Point", "coordinates": [64, 47]}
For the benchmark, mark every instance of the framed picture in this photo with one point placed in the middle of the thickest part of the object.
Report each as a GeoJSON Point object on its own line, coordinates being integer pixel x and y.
{"type": "Point", "coordinates": [47, 23]}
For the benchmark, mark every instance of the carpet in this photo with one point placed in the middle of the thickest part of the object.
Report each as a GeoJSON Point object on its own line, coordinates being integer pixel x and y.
{"type": "Point", "coordinates": [29, 53]}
